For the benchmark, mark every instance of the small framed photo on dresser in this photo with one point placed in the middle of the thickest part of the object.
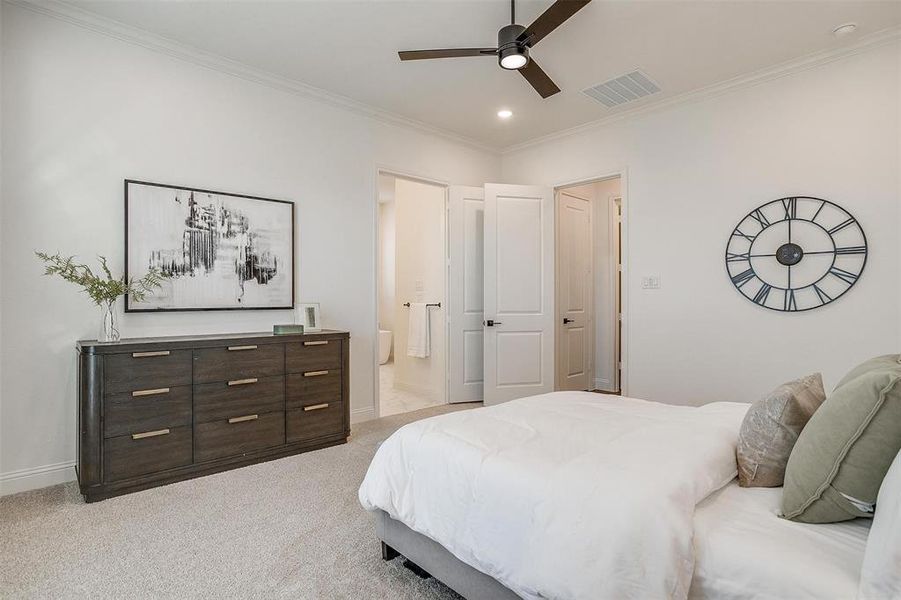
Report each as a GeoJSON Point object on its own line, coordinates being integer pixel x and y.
{"type": "Point", "coordinates": [309, 316]}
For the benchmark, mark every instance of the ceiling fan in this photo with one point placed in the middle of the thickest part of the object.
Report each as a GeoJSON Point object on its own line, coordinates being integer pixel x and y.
{"type": "Point", "coordinates": [513, 45]}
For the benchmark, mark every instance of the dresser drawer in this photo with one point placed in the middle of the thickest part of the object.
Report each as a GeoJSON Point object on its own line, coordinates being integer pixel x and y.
{"type": "Point", "coordinates": [217, 401]}
{"type": "Point", "coordinates": [146, 452]}
{"type": "Point", "coordinates": [315, 421]}
{"type": "Point", "coordinates": [240, 361]}
{"type": "Point", "coordinates": [313, 355]}
{"type": "Point", "coordinates": [313, 387]}
{"type": "Point", "coordinates": [146, 410]}
{"type": "Point", "coordinates": [146, 370]}
{"type": "Point", "coordinates": [237, 435]}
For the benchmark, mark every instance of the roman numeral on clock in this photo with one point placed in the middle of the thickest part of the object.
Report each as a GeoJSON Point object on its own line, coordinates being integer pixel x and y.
{"type": "Point", "coordinates": [743, 277]}
{"type": "Point", "coordinates": [791, 303]}
{"type": "Point", "coordinates": [732, 257]}
{"type": "Point", "coordinates": [823, 296]}
{"type": "Point", "coordinates": [845, 276]}
{"type": "Point", "coordinates": [762, 294]}
{"type": "Point", "coordinates": [840, 226]}
{"type": "Point", "coordinates": [741, 234]}
{"type": "Point", "coordinates": [791, 208]}
{"type": "Point", "coordinates": [852, 250]}
{"type": "Point", "coordinates": [760, 218]}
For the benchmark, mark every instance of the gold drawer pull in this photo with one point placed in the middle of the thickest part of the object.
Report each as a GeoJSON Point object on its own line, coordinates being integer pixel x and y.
{"type": "Point", "coordinates": [155, 392]}
{"type": "Point", "coordinates": [149, 434]}
{"type": "Point", "coordinates": [317, 343]}
{"type": "Point", "coordinates": [315, 373]}
{"type": "Point", "coordinates": [244, 418]}
{"type": "Point", "coordinates": [149, 354]}
{"type": "Point", "coordinates": [243, 381]}
{"type": "Point", "coordinates": [239, 348]}
{"type": "Point", "coordinates": [315, 407]}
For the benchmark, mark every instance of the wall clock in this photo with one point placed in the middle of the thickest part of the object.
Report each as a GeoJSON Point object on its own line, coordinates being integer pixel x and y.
{"type": "Point", "coordinates": [796, 254]}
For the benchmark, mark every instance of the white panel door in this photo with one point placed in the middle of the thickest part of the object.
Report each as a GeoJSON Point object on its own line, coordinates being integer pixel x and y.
{"type": "Point", "coordinates": [467, 212]}
{"type": "Point", "coordinates": [575, 297]}
{"type": "Point", "coordinates": [519, 291]}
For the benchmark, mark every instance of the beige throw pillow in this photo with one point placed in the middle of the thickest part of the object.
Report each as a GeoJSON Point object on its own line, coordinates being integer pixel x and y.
{"type": "Point", "coordinates": [770, 429]}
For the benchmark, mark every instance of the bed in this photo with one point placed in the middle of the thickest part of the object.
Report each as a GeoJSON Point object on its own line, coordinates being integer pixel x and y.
{"type": "Point", "coordinates": [744, 550]}
{"type": "Point", "coordinates": [577, 495]}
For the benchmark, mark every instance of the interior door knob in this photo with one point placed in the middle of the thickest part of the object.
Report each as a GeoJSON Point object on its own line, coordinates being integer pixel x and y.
{"type": "Point", "coordinates": [565, 320]}
{"type": "Point", "coordinates": [492, 323]}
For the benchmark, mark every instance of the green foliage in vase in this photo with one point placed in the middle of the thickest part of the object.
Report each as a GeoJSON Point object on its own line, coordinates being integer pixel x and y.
{"type": "Point", "coordinates": [103, 288]}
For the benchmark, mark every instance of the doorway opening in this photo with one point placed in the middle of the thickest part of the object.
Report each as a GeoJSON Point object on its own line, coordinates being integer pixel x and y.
{"type": "Point", "coordinates": [588, 286]}
{"type": "Point", "coordinates": [412, 290]}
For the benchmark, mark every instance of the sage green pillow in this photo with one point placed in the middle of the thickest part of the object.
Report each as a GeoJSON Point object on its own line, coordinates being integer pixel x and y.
{"type": "Point", "coordinates": [887, 362]}
{"type": "Point", "coordinates": [843, 453]}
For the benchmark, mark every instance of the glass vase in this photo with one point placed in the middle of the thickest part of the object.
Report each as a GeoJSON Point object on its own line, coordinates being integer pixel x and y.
{"type": "Point", "coordinates": [109, 327]}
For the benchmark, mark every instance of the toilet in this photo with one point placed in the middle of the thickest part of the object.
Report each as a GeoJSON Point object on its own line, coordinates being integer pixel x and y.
{"type": "Point", "coordinates": [384, 346]}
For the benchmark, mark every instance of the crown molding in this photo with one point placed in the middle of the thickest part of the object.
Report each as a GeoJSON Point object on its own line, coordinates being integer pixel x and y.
{"type": "Point", "coordinates": [75, 15]}
{"type": "Point", "coordinates": [792, 67]}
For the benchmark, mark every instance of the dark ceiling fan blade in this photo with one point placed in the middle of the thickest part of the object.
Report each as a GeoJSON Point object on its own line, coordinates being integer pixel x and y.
{"type": "Point", "coordinates": [536, 76]}
{"type": "Point", "coordinates": [550, 20]}
{"type": "Point", "coordinates": [445, 53]}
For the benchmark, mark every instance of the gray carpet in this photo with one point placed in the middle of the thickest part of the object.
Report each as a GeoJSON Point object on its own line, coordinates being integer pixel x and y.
{"type": "Point", "coordinates": [291, 528]}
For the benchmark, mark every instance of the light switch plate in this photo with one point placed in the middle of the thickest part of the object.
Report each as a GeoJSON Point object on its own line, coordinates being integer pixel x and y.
{"type": "Point", "coordinates": [650, 282]}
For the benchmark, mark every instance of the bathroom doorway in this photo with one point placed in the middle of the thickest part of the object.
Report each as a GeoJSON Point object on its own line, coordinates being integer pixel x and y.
{"type": "Point", "coordinates": [412, 289]}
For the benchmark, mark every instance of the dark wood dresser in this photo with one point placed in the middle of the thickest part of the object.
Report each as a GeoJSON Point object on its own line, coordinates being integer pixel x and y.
{"type": "Point", "coordinates": [154, 411]}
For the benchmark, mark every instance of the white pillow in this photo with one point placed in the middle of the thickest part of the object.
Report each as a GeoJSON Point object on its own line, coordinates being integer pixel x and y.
{"type": "Point", "coordinates": [880, 575]}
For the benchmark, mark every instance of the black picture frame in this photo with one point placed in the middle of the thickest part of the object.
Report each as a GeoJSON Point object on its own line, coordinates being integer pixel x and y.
{"type": "Point", "coordinates": [130, 309]}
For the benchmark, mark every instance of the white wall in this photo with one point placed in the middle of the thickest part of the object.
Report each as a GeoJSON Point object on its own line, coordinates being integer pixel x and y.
{"type": "Point", "coordinates": [693, 171]}
{"type": "Point", "coordinates": [386, 264]}
{"type": "Point", "coordinates": [81, 112]}
{"type": "Point", "coordinates": [420, 277]}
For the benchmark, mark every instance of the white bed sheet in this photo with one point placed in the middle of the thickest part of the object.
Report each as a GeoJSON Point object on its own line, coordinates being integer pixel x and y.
{"type": "Point", "coordinates": [744, 551]}
{"type": "Point", "coordinates": [570, 495]}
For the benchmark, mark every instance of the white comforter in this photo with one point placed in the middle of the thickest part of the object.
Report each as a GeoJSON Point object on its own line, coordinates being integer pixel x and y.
{"type": "Point", "coordinates": [564, 495]}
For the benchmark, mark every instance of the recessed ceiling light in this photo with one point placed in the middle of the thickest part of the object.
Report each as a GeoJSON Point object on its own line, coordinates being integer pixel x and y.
{"type": "Point", "coordinates": [505, 114]}
{"type": "Point", "coordinates": [843, 30]}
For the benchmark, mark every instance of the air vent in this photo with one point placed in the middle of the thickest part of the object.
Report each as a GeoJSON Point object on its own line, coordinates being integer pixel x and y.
{"type": "Point", "coordinates": [620, 90]}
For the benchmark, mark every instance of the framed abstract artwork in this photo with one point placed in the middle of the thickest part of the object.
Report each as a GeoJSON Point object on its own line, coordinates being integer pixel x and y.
{"type": "Point", "coordinates": [218, 251]}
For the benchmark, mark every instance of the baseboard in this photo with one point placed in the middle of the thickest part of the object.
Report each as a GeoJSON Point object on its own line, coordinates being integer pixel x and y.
{"type": "Point", "coordinates": [362, 414]}
{"type": "Point", "coordinates": [36, 477]}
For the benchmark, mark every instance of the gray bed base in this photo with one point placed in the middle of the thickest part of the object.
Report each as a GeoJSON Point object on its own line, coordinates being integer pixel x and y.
{"type": "Point", "coordinates": [432, 557]}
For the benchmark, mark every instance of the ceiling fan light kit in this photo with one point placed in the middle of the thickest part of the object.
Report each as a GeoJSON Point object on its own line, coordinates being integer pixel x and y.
{"type": "Point", "coordinates": [511, 53]}
{"type": "Point", "coordinates": [513, 45]}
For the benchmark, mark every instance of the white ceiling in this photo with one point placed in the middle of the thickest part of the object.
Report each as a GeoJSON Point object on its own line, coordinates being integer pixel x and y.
{"type": "Point", "coordinates": [350, 48]}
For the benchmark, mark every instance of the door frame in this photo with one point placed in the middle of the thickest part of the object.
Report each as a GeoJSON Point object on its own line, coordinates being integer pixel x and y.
{"type": "Point", "coordinates": [623, 174]}
{"type": "Point", "coordinates": [381, 169]}
{"type": "Point", "coordinates": [458, 318]}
